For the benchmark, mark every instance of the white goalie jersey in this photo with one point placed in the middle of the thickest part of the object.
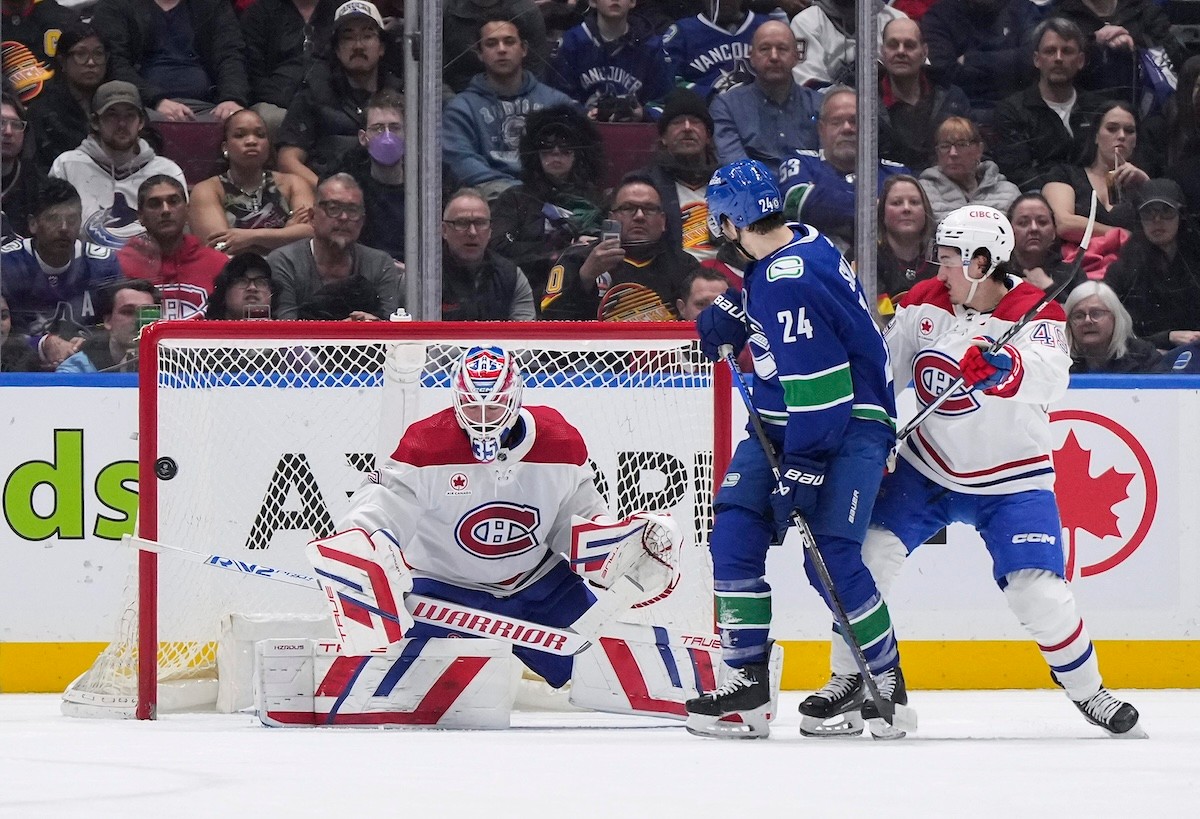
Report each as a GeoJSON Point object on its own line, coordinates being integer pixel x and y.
{"type": "Point", "coordinates": [986, 443]}
{"type": "Point", "coordinates": [495, 527]}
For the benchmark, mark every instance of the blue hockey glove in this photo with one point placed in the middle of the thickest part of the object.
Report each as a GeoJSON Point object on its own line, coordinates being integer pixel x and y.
{"type": "Point", "coordinates": [984, 370]}
{"type": "Point", "coordinates": [801, 481]}
{"type": "Point", "coordinates": [722, 322]}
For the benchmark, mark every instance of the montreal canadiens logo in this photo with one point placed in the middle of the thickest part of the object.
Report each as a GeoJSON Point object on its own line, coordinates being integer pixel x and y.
{"type": "Point", "coordinates": [933, 373]}
{"type": "Point", "coordinates": [498, 530]}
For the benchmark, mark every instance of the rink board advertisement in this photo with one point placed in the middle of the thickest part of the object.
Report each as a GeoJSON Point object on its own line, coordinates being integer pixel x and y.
{"type": "Point", "coordinates": [1126, 461]}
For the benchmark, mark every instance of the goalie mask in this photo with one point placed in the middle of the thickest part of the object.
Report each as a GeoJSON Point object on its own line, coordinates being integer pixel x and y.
{"type": "Point", "coordinates": [975, 231]}
{"type": "Point", "coordinates": [486, 387]}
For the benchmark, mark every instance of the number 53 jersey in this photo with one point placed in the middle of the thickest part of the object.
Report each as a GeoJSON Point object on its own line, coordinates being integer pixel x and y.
{"type": "Point", "coordinates": [985, 443]}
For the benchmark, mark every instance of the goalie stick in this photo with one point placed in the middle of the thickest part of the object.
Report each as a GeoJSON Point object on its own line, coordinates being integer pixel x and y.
{"type": "Point", "coordinates": [1009, 334]}
{"type": "Point", "coordinates": [898, 716]}
{"type": "Point", "coordinates": [564, 642]}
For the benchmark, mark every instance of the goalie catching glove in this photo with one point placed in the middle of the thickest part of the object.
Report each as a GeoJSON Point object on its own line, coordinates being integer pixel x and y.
{"type": "Point", "coordinates": [722, 322]}
{"type": "Point", "coordinates": [643, 547]}
{"type": "Point", "coordinates": [364, 584]}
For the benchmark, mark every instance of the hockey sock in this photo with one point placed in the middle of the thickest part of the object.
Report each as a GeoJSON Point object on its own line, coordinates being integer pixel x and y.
{"type": "Point", "coordinates": [1044, 604]}
{"type": "Point", "coordinates": [868, 614]}
{"type": "Point", "coordinates": [872, 627]}
{"type": "Point", "coordinates": [883, 553]}
{"type": "Point", "coordinates": [744, 619]}
{"type": "Point", "coordinates": [743, 598]}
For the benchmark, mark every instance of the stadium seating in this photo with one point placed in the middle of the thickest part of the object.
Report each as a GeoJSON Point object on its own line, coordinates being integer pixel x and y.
{"type": "Point", "coordinates": [194, 146]}
{"type": "Point", "coordinates": [627, 147]}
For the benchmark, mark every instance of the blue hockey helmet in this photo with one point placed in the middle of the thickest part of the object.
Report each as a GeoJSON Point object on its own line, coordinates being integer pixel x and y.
{"type": "Point", "coordinates": [744, 192]}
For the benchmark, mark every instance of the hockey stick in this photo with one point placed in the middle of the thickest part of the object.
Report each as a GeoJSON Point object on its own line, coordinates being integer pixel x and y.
{"type": "Point", "coordinates": [564, 642]}
{"type": "Point", "coordinates": [898, 716]}
{"type": "Point", "coordinates": [1011, 332]}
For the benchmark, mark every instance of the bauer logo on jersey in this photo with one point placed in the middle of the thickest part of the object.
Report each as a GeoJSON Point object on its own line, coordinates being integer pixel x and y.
{"type": "Point", "coordinates": [933, 373]}
{"type": "Point", "coordinates": [498, 530]}
{"type": "Point", "coordinates": [789, 267]}
{"type": "Point", "coordinates": [458, 484]}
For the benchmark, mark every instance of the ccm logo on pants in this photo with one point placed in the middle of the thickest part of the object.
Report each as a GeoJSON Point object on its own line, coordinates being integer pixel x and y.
{"type": "Point", "coordinates": [1034, 537]}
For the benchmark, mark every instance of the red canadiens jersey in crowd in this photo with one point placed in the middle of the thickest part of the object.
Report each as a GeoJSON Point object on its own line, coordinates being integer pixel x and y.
{"type": "Point", "coordinates": [482, 526]}
{"type": "Point", "coordinates": [986, 443]}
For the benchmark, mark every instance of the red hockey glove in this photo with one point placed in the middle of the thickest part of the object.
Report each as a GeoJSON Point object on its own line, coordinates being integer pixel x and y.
{"type": "Point", "coordinates": [995, 373]}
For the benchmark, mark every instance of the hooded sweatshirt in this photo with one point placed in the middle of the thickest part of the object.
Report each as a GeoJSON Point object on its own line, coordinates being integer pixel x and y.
{"type": "Point", "coordinates": [109, 191]}
{"type": "Point", "coordinates": [185, 278]}
{"type": "Point", "coordinates": [481, 131]}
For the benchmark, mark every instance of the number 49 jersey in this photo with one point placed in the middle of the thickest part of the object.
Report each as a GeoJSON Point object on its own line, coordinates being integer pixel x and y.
{"type": "Point", "coordinates": [819, 359]}
{"type": "Point", "coordinates": [984, 443]}
{"type": "Point", "coordinates": [494, 527]}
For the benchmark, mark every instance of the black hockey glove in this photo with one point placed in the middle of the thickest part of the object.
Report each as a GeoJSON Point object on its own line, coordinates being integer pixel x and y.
{"type": "Point", "coordinates": [722, 322]}
{"type": "Point", "coordinates": [801, 481]}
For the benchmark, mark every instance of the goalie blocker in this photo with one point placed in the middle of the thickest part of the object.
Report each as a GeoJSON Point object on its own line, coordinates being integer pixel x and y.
{"type": "Point", "coordinates": [388, 669]}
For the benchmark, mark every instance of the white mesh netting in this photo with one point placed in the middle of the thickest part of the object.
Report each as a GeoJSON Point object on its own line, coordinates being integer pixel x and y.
{"type": "Point", "coordinates": [260, 443]}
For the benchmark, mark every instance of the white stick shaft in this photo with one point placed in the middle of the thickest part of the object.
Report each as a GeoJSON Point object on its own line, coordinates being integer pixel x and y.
{"type": "Point", "coordinates": [562, 642]}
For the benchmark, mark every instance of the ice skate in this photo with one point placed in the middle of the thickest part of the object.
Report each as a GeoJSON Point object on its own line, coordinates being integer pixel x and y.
{"type": "Point", "coordinates": [1119, 718]}
{"type": "Point", "coordinates": [740, 708]}
{"type": "Point", "coordinates": [833, 711]}
{"type": "Point", "coordinates": [891, 688]}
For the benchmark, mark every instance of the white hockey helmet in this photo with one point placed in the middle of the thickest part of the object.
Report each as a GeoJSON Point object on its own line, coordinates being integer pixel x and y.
{"type": "Point", "coordinates": [486, 387]}
{"type": "Point", "coordinates": [974, 228]}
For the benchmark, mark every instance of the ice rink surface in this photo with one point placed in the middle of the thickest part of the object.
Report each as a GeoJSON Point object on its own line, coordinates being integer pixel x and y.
{"type": "Point", "coordinates": [978, 754]}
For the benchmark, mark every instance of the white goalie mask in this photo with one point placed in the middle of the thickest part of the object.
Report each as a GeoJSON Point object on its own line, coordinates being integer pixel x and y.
{"type": "Point", "coordinates": [972, 229]}
{"type": "Point", "coordinates": [486, 387]}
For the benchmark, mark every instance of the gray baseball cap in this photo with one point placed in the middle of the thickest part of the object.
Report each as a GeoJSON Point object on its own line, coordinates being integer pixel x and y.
{"type": "Point", "coordinates": [115, 92]}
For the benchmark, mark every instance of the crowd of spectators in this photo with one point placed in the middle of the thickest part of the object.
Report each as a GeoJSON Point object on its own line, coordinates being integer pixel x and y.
{"type": "Point", "coordinates": [1030, 108]}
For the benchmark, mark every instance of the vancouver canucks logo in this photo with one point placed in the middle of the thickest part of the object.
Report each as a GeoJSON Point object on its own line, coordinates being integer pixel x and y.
{"type": "Point", "coordinates": [789, 267]}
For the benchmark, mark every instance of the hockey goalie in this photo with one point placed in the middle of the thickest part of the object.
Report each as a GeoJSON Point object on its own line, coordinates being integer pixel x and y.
{"type": "Point", "coordinates": [481, 541]}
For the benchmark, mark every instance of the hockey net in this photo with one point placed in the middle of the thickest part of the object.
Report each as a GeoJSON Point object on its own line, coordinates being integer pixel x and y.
{"type": "Point", "coordinates": [253, 435]}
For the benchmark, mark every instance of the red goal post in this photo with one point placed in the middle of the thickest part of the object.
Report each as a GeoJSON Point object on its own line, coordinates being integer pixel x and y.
{"type": "Point", "coordinates": [252, 435]}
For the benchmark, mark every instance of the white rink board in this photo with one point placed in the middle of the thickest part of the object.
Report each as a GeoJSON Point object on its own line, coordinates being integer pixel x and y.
{"type": "Point", "coordinates": [945, 592]}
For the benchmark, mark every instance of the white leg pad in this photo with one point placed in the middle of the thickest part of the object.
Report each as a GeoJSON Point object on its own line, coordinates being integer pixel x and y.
{"type": "Point", "coordinates": [1045, 605]}
{"type": "Point", "coordinates": [440, 682]}
{"type": "Point", "coordinates": [647, 670]}
{"type": "Point", "coordinates": [884, 554]}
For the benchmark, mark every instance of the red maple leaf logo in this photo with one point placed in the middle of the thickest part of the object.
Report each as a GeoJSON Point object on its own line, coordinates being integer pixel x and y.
{"type": "Point", "coordinates": [1086, 502]}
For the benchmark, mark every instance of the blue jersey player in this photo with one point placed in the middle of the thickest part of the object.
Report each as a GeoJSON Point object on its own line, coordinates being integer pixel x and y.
{"type": "Point", "coordinates": [823, 391]}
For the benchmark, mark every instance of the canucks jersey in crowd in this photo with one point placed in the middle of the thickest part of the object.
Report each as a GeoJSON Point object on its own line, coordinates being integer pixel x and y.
{"type": "Point", "coordinates": [587, 67]}
{"type": "Point", "coordinates": [707, 58]}
{"type": "Point", "coordinates": [44, 299]}
{"type": "Point", "coordinates": [819, 194]}
{"type": "Point", "coordinates": [807, 393]}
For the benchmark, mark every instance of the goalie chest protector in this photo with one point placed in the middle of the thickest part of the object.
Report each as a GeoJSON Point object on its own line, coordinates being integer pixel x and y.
{"type": "Point", "coordinates": [481, 526]}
